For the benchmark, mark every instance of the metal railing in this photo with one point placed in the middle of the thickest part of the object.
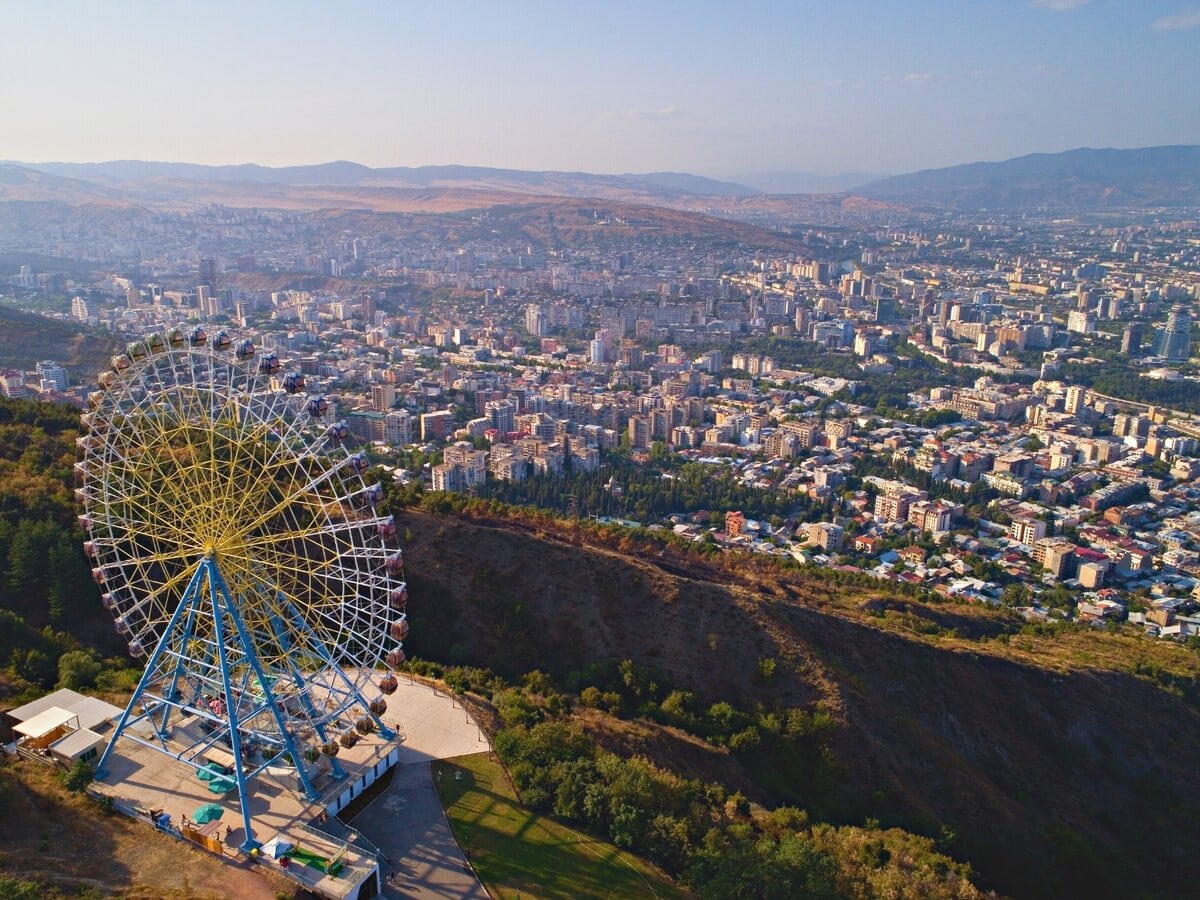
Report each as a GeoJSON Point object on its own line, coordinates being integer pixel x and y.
{"type": "Point", "coordinates": [351, 876]}
{"type": "Point", "coordinates": [339, 841]}
{"type": "Point", "coordinates": [347, 833]}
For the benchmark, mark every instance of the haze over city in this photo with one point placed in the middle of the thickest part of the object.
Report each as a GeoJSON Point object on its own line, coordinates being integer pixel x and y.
{"type": "Point", "coordinates": [712, 88]}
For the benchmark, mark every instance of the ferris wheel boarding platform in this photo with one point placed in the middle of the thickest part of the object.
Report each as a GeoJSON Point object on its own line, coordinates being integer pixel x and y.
{"type": "Point", "coordinates": [428, 726]}
{"type": "Point", "coordinates": [147, 784]}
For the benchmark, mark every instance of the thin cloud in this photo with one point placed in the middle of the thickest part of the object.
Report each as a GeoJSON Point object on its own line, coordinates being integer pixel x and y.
{"type": "Point", "coordinates": [916, 79]}
{"type": "Point", "coordinates": [1177, 22]}
{"type": "Point", "coordinates": [835, 84]}
{"type": "Point", "coordinates": [1059, 5]}
{"type": "Point", "coordinates": [647, 115]}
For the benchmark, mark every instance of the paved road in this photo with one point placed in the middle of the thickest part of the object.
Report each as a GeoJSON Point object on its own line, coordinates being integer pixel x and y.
{"type": "Point", "coordinates": [407, 821]}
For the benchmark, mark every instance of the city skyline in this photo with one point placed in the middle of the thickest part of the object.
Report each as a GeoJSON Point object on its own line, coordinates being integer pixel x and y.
{"type": "Point", "coordinates": [870, 87]}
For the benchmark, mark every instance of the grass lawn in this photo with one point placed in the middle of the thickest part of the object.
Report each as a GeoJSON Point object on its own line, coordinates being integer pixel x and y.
{"type": "Point", "coordinates": [518, 853]}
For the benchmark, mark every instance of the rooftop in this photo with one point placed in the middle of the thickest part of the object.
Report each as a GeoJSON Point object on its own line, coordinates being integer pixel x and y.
{"type": "Point", "coordinates": [93, 712]}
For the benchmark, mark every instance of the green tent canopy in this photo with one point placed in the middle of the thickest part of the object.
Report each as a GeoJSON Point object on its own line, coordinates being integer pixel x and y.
{"type": "Point", "coordinates": [209, 771]}
{"type": "Point", "coordinates": [220, 785]}
{"type": "Point", "coordinates": [209, 812]}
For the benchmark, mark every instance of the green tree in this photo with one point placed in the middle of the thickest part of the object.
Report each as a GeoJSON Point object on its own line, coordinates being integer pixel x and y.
{"type": "Point", "coordinates": [679, 709]}
{"type": "Point", "coordinates": [78, 669]}
{"type": "Point", "coordinates": [1015, 594]}
{"type": "Point", "coordinates": [35, 665]}
{"type": "Point", "coordinates": [27, 557]}
{"type": "Point", "coordinates": [68, 579]}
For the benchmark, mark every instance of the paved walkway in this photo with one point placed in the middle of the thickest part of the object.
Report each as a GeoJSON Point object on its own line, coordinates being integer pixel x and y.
{"type": "Point", "coordinates": [407, 821]}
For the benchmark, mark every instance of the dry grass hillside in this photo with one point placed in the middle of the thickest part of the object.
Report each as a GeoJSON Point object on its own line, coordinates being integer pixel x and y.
{"type": "Point", "coordinates": [60, 844]}
{"type": "Point", "coordinates": [1055, 764]}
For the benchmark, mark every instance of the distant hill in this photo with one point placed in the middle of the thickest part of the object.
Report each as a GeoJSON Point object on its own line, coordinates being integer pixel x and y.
{"type": "Point", "coordinates": [19, 182]}
{"type": "Point", "coordinates": [806, 182]}
{"type": "Point", "coordinates": [1074, 180]}
{"type": "Point", "coordinates": [549, 223]}
{"type": "Point", "coordinates": [342, 185]}
{"type": "Point", "coordinates": [128, 173]}
{"type": "Point", "coordinates": [696, 184]}
{"type": "Point", "coordinates": [26, 338]}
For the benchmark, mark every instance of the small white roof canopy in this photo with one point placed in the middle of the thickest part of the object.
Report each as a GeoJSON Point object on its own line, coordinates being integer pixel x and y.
{"type": "Point", "coordinates": [46, 721]}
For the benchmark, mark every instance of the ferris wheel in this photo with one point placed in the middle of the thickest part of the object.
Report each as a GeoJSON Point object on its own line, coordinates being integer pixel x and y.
{"type": "Point", "coordinates": [243, 555]}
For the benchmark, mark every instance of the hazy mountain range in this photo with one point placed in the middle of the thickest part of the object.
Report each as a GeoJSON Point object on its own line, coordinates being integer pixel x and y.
{"type": "Point", "coordinates": [806, 182]}
{"type": "Point", "coordinates": [346, 174]}
{"type": "Point", "coordinates": [1076, 179]}
{"type": "Point", "coordinates": [122, 173]}
{"type": "Point", "coordinates": [1083, 179]}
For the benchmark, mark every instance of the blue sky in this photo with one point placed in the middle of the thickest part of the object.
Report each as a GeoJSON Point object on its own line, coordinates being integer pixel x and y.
{"type": "Point", "coordinates": [716, 88]}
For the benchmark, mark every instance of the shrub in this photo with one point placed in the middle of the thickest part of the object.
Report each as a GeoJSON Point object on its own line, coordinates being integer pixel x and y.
{"type": "Point", "coordinates": [679, 709]}
{"type": "Point", "coordinates": [17, 889]}
{"type": "Point", "coordinates": [515, 708]}
{"type": "Point", "coordinates": [77, 778]}
{"type": "Point", "coordinates": [117, 681]}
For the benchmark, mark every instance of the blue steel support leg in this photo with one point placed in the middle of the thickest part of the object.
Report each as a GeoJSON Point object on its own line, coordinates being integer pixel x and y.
{"type": "Point", "coordinates": [190, 597]}
{"type": "Point", "coordinates": [269, 696]}
{"type": "Point", "coordinates": [172, 692]}
{"type": "Point", "coordinates": [305, 696]}
{"type": "Point", "coordinates": [235, 741]}
{"type": "Point", "coordinates": [320, 649]}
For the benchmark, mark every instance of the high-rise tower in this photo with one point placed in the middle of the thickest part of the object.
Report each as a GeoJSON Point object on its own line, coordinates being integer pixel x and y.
{"type": "Point", "coordinates": [208, 272]}
{"type": "Point", "coordinates": [1131, 338]}
{"type": "Point", "coordinates": [1175, 341]}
